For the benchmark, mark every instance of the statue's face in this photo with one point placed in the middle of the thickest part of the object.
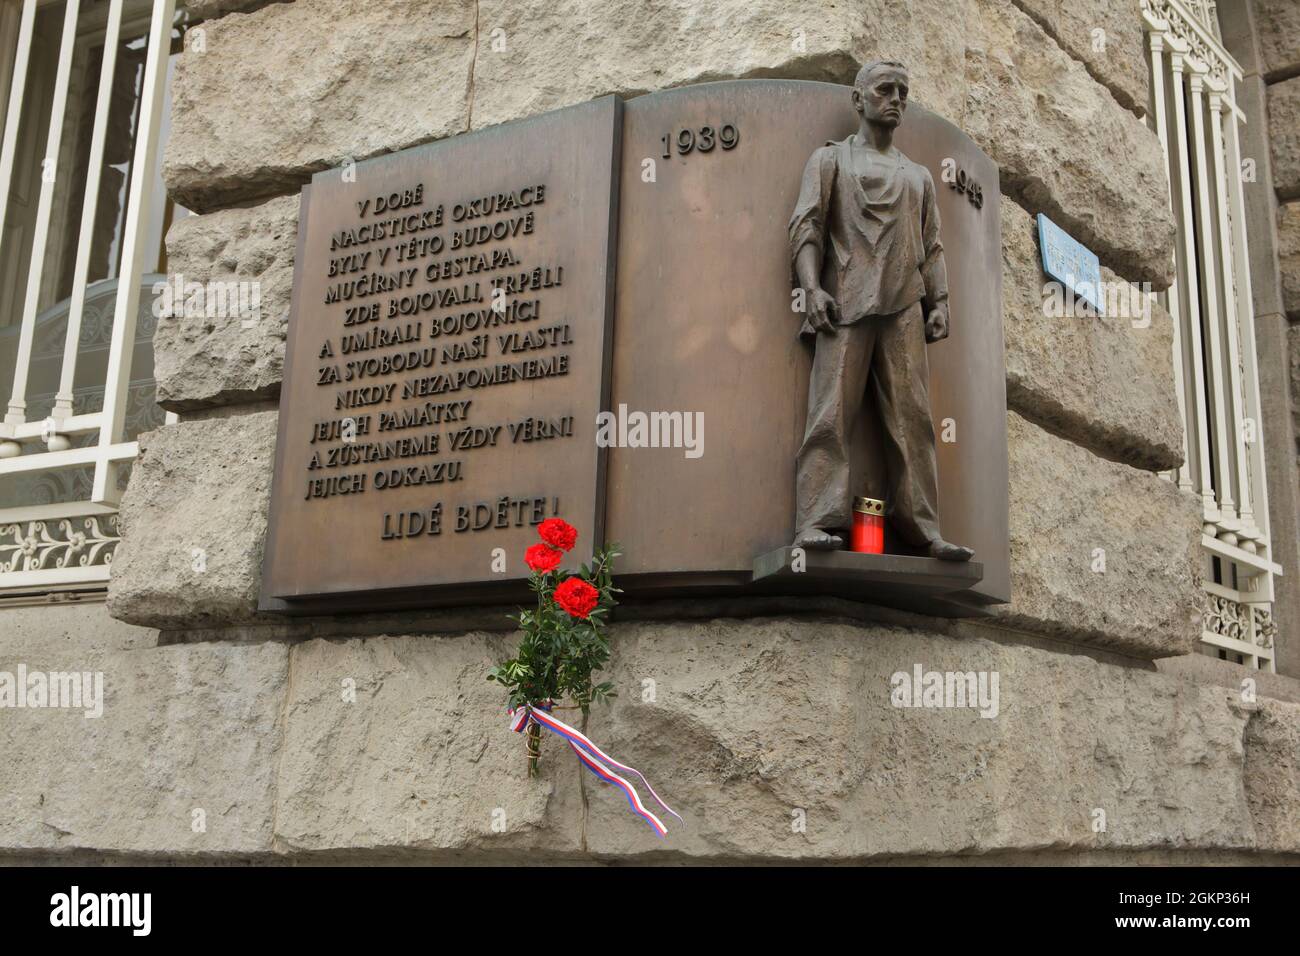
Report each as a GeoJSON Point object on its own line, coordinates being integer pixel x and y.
{"type": "Point", "coordinates": [882, 98]}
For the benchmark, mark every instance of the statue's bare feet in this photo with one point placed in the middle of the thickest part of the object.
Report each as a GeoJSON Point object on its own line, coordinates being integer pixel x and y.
{"type": "Point", "coordinates": [945, 551]}
{"type": "Point", "coordinates": [815, 539]}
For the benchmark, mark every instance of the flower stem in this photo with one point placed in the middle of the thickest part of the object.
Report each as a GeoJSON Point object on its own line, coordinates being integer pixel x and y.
{"type": "Point", "coordinates": [534, 748]}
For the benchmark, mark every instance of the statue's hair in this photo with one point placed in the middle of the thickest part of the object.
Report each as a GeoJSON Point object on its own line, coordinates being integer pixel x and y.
{"type": "Point", "coordinates": [866, 71]}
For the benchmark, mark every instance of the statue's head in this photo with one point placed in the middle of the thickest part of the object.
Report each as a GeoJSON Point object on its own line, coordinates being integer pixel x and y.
{"type": "Point", "coordinates": [880, 92]}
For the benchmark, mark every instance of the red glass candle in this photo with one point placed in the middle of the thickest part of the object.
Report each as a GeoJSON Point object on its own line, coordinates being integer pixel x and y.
{"type": "Point", "coordinates": [868, 526]}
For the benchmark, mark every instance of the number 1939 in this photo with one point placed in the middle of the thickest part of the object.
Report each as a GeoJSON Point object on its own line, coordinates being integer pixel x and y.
{"type": "Point", "coordinates": [701, 140]}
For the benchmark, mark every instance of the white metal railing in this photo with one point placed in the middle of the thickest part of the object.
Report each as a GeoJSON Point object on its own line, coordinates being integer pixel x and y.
{"type": "Point", "coordinates": [71, 542]}
{"type": "Point", "coordinates": [1195, 113]}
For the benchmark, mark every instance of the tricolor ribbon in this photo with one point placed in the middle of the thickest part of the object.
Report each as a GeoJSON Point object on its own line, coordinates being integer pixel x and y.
{"type": "Point", "coordinates": [595, 760]}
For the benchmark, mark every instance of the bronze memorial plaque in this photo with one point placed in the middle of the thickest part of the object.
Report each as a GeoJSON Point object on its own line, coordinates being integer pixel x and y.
{"type": "Point", "coordinates": [713, 325]}
{"type": "Point", "coordinates": [448, 353]}
{"type": "Point", "coordinates": [704, 323]}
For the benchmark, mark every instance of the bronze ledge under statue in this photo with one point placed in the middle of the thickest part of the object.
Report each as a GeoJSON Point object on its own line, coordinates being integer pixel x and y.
{"type": "Point", "coordinates": [864, 241]}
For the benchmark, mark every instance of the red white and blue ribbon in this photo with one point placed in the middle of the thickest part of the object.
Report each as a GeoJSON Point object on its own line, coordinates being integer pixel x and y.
{"type": "Point", "coordinates": [595, 760]}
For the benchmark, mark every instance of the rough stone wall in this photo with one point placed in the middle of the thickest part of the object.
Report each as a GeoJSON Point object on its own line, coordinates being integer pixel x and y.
{"type": "Point", "coordinates": [1279, 33]}
{"type": "Point", "coordinates": [1284, 135]}
{"type": "Point", "coordinates": [421, 767]}
{"type": "Point", "coordinates": [286, 89]}
{"type": "Point", "coordinates": [1091, 400]}
{"type": "Point", "coordinates": [1278, 28]}
{"type": "Point", "coordinates": [240, 361]}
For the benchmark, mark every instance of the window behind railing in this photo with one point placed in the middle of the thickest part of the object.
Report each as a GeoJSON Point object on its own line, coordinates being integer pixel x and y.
{"type": "Point", "coordinates": [1194, 110]}
{"type": "Point", "coordinates": [85, 93]}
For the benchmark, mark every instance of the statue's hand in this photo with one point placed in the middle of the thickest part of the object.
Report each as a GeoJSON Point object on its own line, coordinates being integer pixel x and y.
{"type": "Point", "coordinates": [821, 310]}
{"type": "Point", "coordinates": [936, 324]}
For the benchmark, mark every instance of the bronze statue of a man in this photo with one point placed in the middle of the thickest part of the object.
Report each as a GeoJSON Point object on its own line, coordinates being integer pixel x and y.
{"type": "Point", "coordinates": [864, 239]}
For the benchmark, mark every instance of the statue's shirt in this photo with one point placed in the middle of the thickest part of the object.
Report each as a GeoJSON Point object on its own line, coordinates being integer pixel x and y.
{"type": "Point", "coordinates": [873, 219]}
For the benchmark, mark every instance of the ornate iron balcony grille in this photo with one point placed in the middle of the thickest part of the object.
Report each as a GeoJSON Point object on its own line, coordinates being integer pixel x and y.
{"type": "Point", "coordinates": [85, 88]}
{"type": "Point", "coordinates": [1195, 113]}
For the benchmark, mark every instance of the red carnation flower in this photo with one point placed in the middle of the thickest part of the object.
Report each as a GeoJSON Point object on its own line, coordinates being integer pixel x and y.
{"type": "Point", "coordinates": [558, 533]}
{"type": "Point", "coordinates": [542, 557]}
{"type": "Point", "coordinates": [577, 597]}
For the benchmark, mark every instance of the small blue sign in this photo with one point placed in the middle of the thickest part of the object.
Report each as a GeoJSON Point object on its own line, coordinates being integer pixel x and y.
{"type": "Point", "coordinates": [1071, 263]}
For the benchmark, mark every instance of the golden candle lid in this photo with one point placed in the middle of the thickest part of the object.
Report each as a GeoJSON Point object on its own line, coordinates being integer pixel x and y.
{"type": "Point", "coordinates": [870, 506]}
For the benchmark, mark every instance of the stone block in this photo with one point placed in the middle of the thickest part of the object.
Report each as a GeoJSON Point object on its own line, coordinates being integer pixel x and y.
{"type": "Point", "coordinates": [1293, 349]}
{"type": "Point", "coordinates": [202, 360]}
{"type": "Point", "coordinates": [526, 51]}
{"type": "Point", "coordinates": [1284, 137]}
{"type": "Point", "coordinates": [1073, 515]}
{"type": "Point", "coordinates": [183, 729]}
{"type": "Point", "coordinates": [193, 524]}
{"type": "Point", "coordinates": [1288, 257]}
{"type": "Point", "coordinates": [1277, 25]}
{"type": "Point", "coordinates": [1272, 774]}
{"type": "Point", "coordinates": [1054, 131]}
{"type": "Point", "coordinates": [69, 628]}
{"type": "Point", "coordinates": [422, 760]}
{"type": "Point", "coordinates": [778, 740]}
{"type": "Point", "coordinates": [1116, 56]}
{"type": "Point", "coordinates": [293, 88]}
{"type": "Point", "coordinates": [210, 9]}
